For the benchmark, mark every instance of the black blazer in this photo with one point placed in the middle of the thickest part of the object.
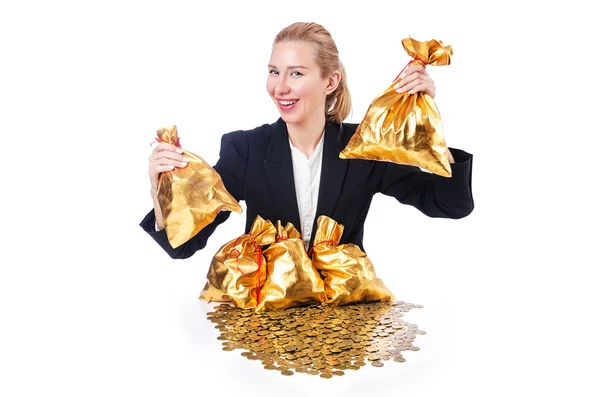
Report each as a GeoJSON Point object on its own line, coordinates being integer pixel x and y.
{"type": "Point", "coordinates": [256, 166]}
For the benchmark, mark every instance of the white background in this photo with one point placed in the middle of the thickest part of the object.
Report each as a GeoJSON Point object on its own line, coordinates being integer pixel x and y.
{"type": "Point", "coordinates": [91, 306]}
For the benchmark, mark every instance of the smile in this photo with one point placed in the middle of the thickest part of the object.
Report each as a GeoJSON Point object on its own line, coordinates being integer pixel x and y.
{"type": "Point", "coordinates": [288, 103]}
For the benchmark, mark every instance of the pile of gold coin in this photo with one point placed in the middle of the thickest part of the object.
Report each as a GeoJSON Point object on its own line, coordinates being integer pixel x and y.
{"type": "Point", "coordinates": [319, 340]}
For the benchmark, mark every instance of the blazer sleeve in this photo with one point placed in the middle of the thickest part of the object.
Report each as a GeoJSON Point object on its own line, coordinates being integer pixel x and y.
{"type": "Point", "coordinates": [436, 196]}
{"type": "Point", "coordinates": [231, 166]}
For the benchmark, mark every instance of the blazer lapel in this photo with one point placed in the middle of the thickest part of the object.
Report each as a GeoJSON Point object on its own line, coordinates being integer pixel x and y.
{"type": "Point", "coordinates": [280, 173]}
{"type": "Point", "coordinates": [333, 172]}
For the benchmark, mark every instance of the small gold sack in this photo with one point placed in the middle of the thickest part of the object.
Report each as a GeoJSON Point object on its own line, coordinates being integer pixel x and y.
{"type": "Point", "coordinates": [348, 272]}
{"type": "Point", "coordinates": [190, 197]}
{"type": "Point", "coordinates": [292, 279]}
{"type": "Point", "coordinates": [405, 128]}
{"type": "Point", "coordinates": [238, 270]}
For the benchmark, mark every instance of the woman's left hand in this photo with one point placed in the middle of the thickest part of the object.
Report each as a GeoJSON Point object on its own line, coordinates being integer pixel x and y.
{"type": "Point", "coordinates": [415, 79]}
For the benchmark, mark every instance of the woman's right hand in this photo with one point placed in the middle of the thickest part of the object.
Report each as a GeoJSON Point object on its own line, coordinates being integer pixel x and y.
{"type": "Point", "coordinates": [164, 157]}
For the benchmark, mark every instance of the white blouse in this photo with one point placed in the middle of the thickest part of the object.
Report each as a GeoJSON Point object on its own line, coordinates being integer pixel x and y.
{"type": "Point", "coordinates": [307, 178]}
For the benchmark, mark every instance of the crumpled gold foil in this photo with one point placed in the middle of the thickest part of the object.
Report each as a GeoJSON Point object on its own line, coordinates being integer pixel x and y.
{"type": "Point", "coordinates": [191, 197]}
{"type": "Point", "coordinates": [405, 128]}
{"type": "Point", "coordinates": [238, 270]}
{"type": "Point", "coordinates": [292, 280]}
{"type": "Point", "coordinates": [348, 272]}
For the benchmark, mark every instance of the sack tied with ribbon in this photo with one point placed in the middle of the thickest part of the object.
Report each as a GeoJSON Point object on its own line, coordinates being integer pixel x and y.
{"type": "Point", "coordinates": [405, 128]}
{"type": "Point", "coordinates": [238, 270]}
{"type": "Point", "coordinates": [292, 279]}
{"type": "Point", "coordinates": [348, 273]}
{"type": "Point", "coordinates": [190, 197]}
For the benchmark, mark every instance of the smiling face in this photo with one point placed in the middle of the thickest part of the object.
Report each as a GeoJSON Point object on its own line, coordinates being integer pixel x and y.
{"type": "Point", "coordinates": [295, 83]}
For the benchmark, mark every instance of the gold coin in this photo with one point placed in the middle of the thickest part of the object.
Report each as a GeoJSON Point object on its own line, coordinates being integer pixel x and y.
{"type": "Point", "coordinates": [326, 375]}
{"type": "Point", "coordinates": [302, 370]}
{"type": "Point", "coordinates": [338, 373]}
{"type": "Point", "coordinates": [287, 372]}
{"type": "Point", "coordinates": [311, 371]}
{"type": "Point", "coordinates": [354, 367]}
{"type": "Point", "coordinates": [399, 359]}
{"type": "Point", "coordinates": [290, 347]}
{"type": "Point", "coordinates": [229, 348]}
{"type": "Point", "coordinates": [377, 364]}
{"type": "Point", "coordinates": [270, 367]}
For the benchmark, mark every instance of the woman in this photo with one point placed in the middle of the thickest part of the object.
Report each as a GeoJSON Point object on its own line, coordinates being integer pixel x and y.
{"type": "Point", "coordinates": [291, 170]}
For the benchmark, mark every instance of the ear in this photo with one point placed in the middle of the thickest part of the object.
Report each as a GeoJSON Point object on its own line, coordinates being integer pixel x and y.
{"type": "Point", "coordinates": [333, 82]}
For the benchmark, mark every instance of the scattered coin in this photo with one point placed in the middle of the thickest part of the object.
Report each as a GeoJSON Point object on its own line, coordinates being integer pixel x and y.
{"type": "Point", "coordinates": [318, 340]}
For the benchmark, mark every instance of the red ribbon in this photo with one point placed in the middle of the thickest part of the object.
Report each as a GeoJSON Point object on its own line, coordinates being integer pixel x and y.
{"type": "Point", "coordinates": [259, 260]}
{"type": "Point", "coordinates": [418, 59]}
{"type": "Point", "coordinates": [319, 243]}
{"type": "Point", "coordinates": [177, 143]}
{"type": "Point", "coordinates": [281, 238]}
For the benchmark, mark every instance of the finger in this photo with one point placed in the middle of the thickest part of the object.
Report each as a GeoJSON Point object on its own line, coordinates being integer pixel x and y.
{"type": "Point", "coordinates": [164, 146]}
{"type": "Point", "coordinates": [407, 86]}
{"type": "Point", "coordinates": [419, 88]}
{"type": "Point", "coordinates": [175, 163]}
{"type": "Point", "coordinates": [415, 86]}
{"type": "Point", "coordinates": [404, 81]}
{"type": "Point", "coordinates": [163, 168]}
{"type": "Point", "coordinates": [415, 68]}
{"type": "Point", "coordinates": [166, 154]}
{"type": "Point", "coordinates": [418, 68]}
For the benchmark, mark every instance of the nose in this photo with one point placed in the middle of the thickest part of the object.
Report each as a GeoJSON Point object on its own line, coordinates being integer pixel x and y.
{"type": "Point", "coordinates": [281, 86]}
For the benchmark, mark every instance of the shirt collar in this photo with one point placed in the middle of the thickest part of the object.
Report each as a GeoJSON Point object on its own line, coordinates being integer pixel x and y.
{"type": "Point", "coordinates": [316, 153]}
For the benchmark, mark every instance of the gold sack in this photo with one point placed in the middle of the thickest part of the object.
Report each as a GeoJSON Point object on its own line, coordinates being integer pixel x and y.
{"type": "Point", "coordinates": [191, 197]}
{"type": "Point", "coordinates": [292, 280]}
{"type": "Point", "coordinates": [349, 274]}
{"type": "Point", "coordinates": [238, 270]}
{"type": "Point", "coordinates": [405, 128]}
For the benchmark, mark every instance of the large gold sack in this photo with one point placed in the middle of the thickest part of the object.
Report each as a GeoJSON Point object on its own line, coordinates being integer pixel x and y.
{"type": "Point", "coordinates": [405, 128]}
{"type": "Point", "coordinates": [348, 273]}
{"type": "Point", "coordinates": [190, 197]}
{"type": "Point", "coordinates": [292, 280]}
{"type": "Point", "coordinates": [238, 270]}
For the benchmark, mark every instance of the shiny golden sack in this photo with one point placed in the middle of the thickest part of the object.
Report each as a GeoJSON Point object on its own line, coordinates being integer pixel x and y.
{"type": "Point", "coordinates": [348, 273]}
{"type": "Point", "coordinates": [238, 270]}
{"type": "Point", "coordinates": [292, 280]}
{"type": "Point", "coordinates": [191, 197]}
{"type": "Point", "coordinates": [405, 128]}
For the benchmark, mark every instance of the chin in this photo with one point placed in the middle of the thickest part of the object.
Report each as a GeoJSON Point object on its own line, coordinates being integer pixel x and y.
{"type": "Point", "coordinates": [289, 118]}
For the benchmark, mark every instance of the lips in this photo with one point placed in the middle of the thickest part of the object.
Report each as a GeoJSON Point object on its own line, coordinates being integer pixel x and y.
{"type": "Point", "coordinates": [287, 104]}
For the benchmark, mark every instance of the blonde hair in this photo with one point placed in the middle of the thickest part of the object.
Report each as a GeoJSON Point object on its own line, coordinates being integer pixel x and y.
{"type": "Point", "coordinates": [338, 103]}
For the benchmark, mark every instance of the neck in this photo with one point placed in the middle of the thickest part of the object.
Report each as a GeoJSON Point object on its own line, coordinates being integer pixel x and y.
{"type": "Point", "coordinates": [306, 136]}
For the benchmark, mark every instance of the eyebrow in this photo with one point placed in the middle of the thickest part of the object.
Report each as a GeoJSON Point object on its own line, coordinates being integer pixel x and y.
{"type": "Point", "coordinates": [290, 67]}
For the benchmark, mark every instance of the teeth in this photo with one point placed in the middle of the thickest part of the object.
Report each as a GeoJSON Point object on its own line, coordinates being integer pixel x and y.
{"type": "Point", "coordinates": [286, 103]}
